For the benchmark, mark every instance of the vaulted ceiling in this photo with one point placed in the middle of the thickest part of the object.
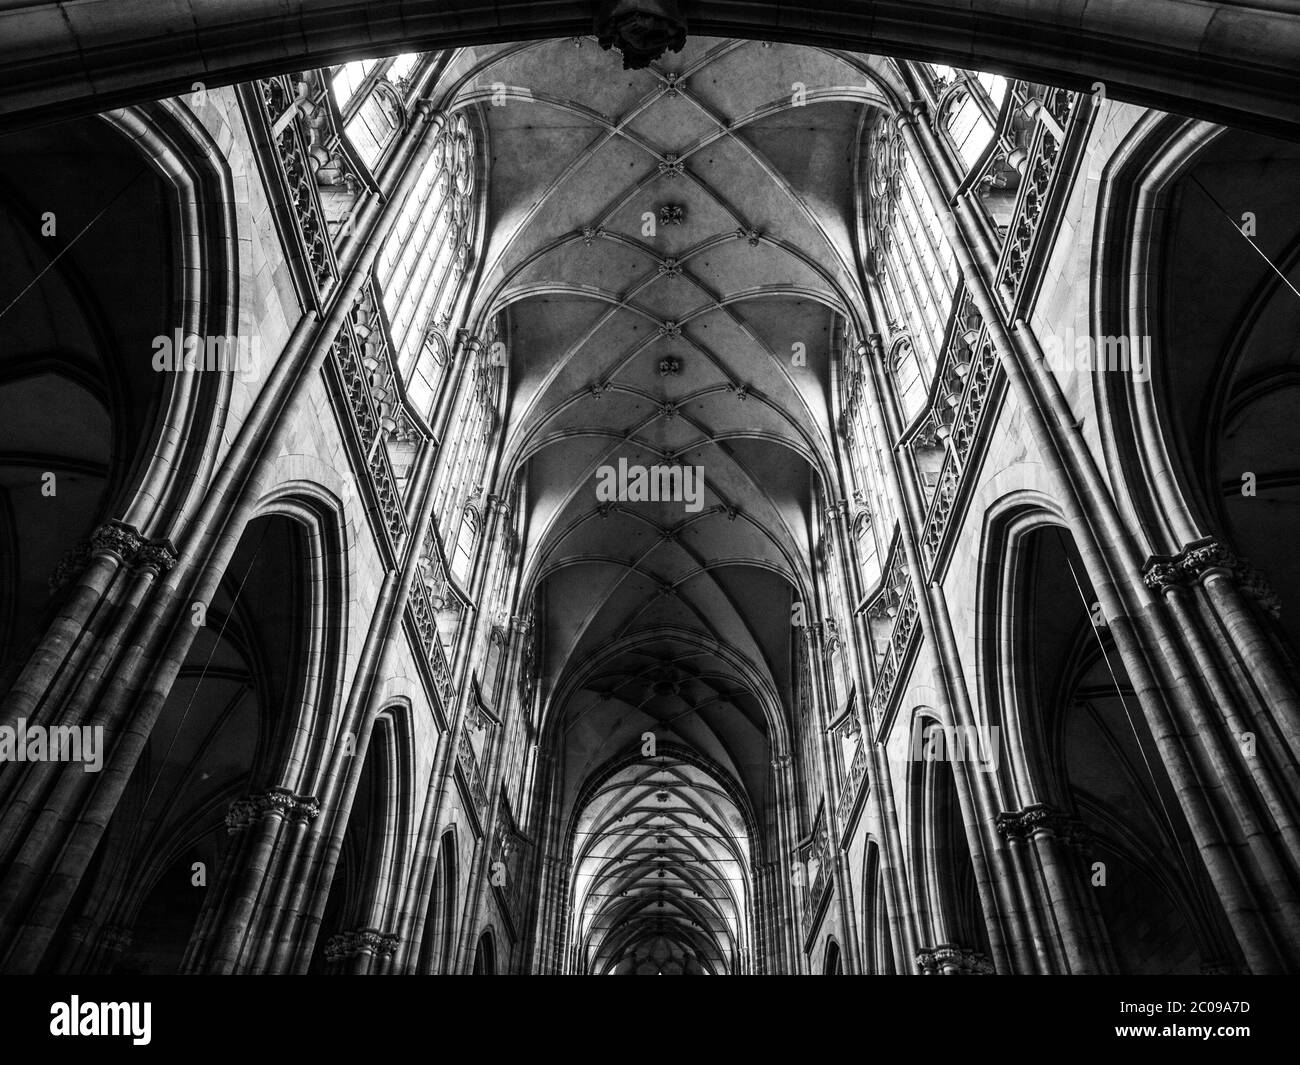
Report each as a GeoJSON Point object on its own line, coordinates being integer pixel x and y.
{"type": "Point", "coordinates": [672, 248]}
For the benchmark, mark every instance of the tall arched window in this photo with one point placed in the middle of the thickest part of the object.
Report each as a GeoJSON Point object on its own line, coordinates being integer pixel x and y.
{"type": "Point", "coordinates": [485, 956]}
{"type": "Point", "coordinates": [868, 551]}
{"type": "Point", "coordinates": [370, 94]}
{"type": "Point", "coordinates": [968, 109]}
{"type": "Point", "coordinates": [424, 262]}
{"type": "Point", "coordinates": [462, 558]}
{"type": "Point", "coordinates": [461, 469]}
{"type": "Point", "coordinates": [915, 267]}
{"type": "Point", "coordinates": [909, 378]}
{"type": "Point", "coordinates": [872, 501]}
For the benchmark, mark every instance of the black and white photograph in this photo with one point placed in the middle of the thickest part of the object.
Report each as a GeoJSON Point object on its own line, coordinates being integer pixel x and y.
{"type": "Point", "coordinates": [649, 488]}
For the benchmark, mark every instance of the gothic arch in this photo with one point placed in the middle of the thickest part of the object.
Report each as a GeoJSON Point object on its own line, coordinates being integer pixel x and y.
{"type": "Point", "coordinates": [1081, 757]}
{"type": "Point", "coordinates": [361, 910]}
{"type": "Point", "coordinates": [876, 917]}
{"type": "Point", "coordinates": [1208, 445]}
{"type": "Point", "coordinates": [485, 954]}
{"type": "Point", "coordinates": [944, 881]}
{"type": "Point", "coordinates": [438, 940]}
{"type": "Point", "coordinates": [121, 438]}
{"type": "Point", "coordinates": [832, 962]}
{"type": "Point", "coordinates": [231, 730]}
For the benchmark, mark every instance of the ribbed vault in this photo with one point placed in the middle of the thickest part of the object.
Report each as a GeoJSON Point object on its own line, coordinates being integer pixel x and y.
{"type": "Point", "coordinates": [672, 249]}
{"type": "Point", "coordinates": [661, 870]}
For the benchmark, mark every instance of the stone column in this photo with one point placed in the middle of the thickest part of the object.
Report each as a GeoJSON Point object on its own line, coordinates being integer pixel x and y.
{"type": "Point", "coordinates": [360, 951]}
{"type": "Point", "coordinates": [1051, 845]}
{"type": "Point", "coordinates": [948, 959]}
{"type": "Point", "coordinates": [250, 885]}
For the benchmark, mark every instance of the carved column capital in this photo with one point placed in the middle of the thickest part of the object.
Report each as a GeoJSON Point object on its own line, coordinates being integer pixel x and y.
{"type": "Point", "coordinates": [948, 959]}
{"type": "Point", "coordinates": [157, 555]}
{"type": "Point", "coordinates": [1161, 575]}
{"type": "Point", "coordinates": [253, 808]}
{"type": "Point", "coordinates": [1046, 820]}
{"type": "Point", "coordinates": [116, 538]}
{"type": "Point", "coordinates": [116, 938]}
{"type": "Point", "coordinates": [1206, 558]}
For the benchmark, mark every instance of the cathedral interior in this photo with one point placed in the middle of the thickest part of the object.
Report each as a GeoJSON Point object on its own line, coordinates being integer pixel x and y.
{"type": "Point", "coordinates": [637, 488]}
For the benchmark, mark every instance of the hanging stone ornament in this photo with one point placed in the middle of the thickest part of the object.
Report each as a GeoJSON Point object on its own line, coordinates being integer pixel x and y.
{"type": "Point", "coordinates": [643, 30]}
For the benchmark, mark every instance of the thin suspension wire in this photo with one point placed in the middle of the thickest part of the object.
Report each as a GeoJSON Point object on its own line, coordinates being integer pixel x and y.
{"type": "Point", "coordinates": [68, 247]}
{"type": "Point", "coordinates": [162, 765]}
{"type": "Point", "coordinates": [1155, 784]}
{"type": "Point", "coordinates": [1245, 236]}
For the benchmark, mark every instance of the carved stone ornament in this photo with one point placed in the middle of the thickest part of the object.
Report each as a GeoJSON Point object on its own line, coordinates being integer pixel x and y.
{"type": "Point", "coordinates": [1047, 820]}
{"type": "Point", "coordinates": [1210, 556]}
{"type": "Point", "coordinates": [948, 959]}
{"type": "Point", "coordinates": [361, 941]}
{"type": "Point", "coordinates": [643, 30]}
{"type": "Point", "coordinates": [252, 808]}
